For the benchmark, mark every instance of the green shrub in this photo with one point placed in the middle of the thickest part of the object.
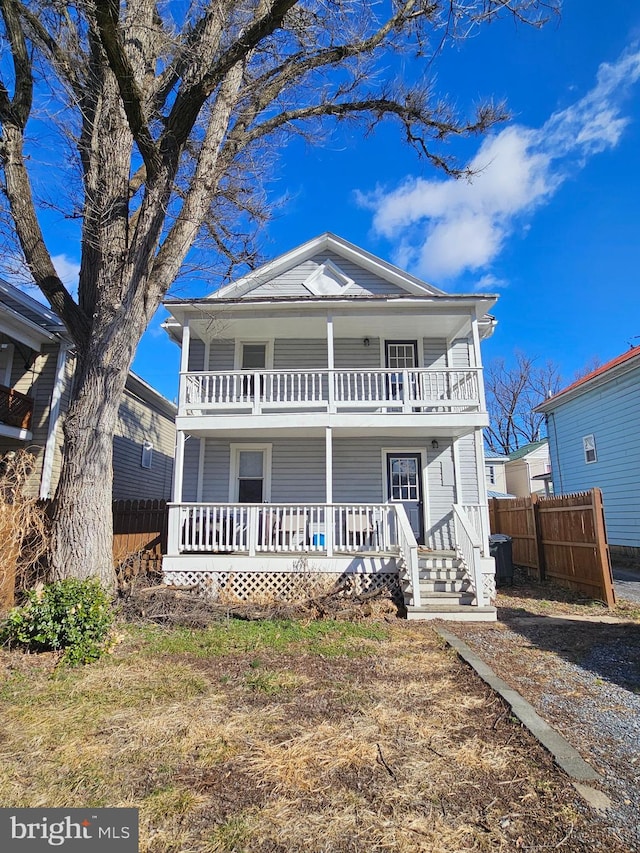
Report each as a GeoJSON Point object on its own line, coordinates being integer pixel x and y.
{"type": "Point", "coordinates": [70, 615]}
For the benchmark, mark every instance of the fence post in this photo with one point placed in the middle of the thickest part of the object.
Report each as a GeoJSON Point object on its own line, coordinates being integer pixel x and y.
{"type": "Point", "coordinates": [537, 532]}
{"type": "Point", "coordinates": [602, 548]}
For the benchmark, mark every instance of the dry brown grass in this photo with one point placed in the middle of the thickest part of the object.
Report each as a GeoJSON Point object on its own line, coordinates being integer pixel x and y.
{"type": "Point", "coordinates": [23, 528]}
{"type": "Point", "coordinates": [529, 597]}
{"type": "Point", "coordinates": [261, 738]}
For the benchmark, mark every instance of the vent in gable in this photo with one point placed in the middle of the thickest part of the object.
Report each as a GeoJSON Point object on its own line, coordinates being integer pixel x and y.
{"type": "Point", "coordinates": [327, 280]}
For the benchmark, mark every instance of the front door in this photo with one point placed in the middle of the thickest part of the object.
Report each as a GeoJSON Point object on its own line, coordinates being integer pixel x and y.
{"type": "Point", "coordinates": [404, 478]}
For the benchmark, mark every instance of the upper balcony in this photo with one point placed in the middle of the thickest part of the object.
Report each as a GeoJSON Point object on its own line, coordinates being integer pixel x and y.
{"type": "Point", "coordinates": [420, 394]}
{"type": "Point", "coordinates": [16, 409]}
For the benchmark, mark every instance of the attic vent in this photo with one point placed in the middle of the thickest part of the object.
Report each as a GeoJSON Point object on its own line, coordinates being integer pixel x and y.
{"type": "Point", "coordinates": [327, 280]}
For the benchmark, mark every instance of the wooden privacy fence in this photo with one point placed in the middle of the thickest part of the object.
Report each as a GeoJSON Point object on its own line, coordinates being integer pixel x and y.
{"type": "Point", "coordinates": [562, 539]}
{"type": "Point", "coordinates": [140, 534]}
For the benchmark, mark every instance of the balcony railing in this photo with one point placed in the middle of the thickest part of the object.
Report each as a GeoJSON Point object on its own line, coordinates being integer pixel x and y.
{"type": "Point", "coordinates": [16, 409]}
{"type": "Point", "coordinates": [418, 390]}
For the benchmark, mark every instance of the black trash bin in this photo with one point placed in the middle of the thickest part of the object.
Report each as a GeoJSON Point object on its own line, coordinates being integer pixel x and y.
{"type": "Point", "coordinates": [501, 549]}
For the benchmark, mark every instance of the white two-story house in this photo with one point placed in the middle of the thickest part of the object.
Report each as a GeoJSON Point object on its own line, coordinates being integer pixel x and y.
{"type": "Point", "coordinates": [330, 420]}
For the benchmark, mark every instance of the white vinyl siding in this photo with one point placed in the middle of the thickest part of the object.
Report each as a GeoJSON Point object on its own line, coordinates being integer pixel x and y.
{"type": "Point", "coordinates": [294, 354]}
{"type": "Point", "coordinates": [221, 355]}
{"type": "Point", "coordinates": [352, 354]}
{"type": "Point", "coordinates": [434, 353]}
{"type": "Point", "coordinates": [290, 283]}
{"type": "Point", "coordinates": [196, 354]}
{"type": "Point", "coordinates": [468, 485]}
{"type": "Point", "coordinates": [459, 355]}
{"type": "Point", "coordinates": [298, 470]}
{"type": "Point", "coordinates": [442, 492]}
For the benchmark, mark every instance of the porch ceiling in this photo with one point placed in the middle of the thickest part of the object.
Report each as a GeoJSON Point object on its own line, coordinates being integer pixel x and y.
{"type": "Point", "coordinates": [390, 322]}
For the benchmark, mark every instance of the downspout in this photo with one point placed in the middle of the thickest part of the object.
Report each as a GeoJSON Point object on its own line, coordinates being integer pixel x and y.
{"type": "Point", "coordinates": [54, 418]}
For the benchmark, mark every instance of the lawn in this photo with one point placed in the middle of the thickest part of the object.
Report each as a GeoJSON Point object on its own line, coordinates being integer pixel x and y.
{"type": "Point", "coordinates": [284, 736]}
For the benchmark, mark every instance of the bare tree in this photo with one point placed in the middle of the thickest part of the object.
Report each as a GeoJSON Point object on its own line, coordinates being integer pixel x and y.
{"type": "Point", "coordinates": [168, 122]}
{"type": "Point", "coordinates": [512, 394]}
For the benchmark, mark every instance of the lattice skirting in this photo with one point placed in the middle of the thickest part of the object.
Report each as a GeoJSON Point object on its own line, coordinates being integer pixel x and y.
{"type": "Point", "coordinates": [489, 586]}
{"type": "Point", "coordinates": [284, 586]}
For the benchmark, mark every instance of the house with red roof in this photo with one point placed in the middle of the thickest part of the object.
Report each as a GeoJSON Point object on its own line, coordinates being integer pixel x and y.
{"type": "Point", "coordinates": [594, 440]}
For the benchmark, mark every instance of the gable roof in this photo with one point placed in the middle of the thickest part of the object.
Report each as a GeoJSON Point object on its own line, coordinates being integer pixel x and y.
{"type": "Point", "coordinates": [328, 271]}
{"type": "Point", "coordinates": [604, 373]}
{"type": "Point", "coordinates": [526, 449]}
{"type": "Point", "coordinates": [27, 320]}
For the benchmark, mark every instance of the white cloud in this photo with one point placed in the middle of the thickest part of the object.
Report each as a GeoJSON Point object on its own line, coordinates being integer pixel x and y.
{"type": "Point", "coordinates": [443, 228]}
{"type": "Point", "coordinates": [68, 269]}
{"type": "Point", "coordinates": [489, 283]}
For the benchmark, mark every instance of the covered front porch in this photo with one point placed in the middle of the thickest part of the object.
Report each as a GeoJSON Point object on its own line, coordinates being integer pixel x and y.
{"type": "Point", "coordinates": [373, 543]}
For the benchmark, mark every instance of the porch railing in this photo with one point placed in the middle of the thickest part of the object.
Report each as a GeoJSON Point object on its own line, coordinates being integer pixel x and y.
{"type": "Point", "coordinates": [418, 390]}
{"type": "Point", "coordinates": [323, 529]}
{"type": "Point", "coordinates": [16, 409]}
{"type": "Point", "coordinates": [468, 543]}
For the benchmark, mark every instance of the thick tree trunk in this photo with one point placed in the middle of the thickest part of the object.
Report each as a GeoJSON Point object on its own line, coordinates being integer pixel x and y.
{"type": "Point", "coordinates": [82, 535]}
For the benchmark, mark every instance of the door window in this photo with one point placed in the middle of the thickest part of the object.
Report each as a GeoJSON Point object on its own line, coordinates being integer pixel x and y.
{"type": "Point", "coordinates": [400, 355]}
{"type": "Point", "coordinates": [404, 481]}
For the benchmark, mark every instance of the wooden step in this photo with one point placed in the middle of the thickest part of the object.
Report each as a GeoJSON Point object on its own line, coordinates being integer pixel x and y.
{"type": "Point", "coordinates": [429, 585]}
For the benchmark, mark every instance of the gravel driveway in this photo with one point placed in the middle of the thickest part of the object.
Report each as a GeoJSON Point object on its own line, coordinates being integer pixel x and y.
{"type": "Point", "coordinates": [583, 677]}
{"type": "Point", "coordinates": [627, 583]}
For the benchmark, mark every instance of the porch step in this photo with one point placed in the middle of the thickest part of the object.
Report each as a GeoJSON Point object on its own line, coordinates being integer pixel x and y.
{"type": "Point", "coordinates": [462, 597]}
{"type": "Point", "coordinates": [458, 584]}
{"type": "Point", "coordinates": [452, 613]}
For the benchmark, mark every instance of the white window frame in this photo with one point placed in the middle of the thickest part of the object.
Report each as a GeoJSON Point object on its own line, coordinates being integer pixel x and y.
{"type": "Point", "coordinates": [146, 456]}
{"type": "Point", "coordinates": [234, 469]}
{"type": "Point", "coordinates": [268, 352]}
{"type": "Point", "coordinates": [491, 474]}
{"type": "Point", "coordinates": [589, 444]}
{"type": "Point", "coordinates": [5, 375]}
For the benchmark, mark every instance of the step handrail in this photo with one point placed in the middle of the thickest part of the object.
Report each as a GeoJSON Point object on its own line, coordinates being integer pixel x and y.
{"type": "Point", "coordinates": [408, 545]}
{"type": "Point", "coordinates": [469, 546]}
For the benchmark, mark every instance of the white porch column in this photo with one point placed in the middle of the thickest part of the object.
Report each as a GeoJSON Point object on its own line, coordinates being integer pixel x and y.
{"type": "Point", "coordinates": [175, 512]}
{"type": "Point", "coordinates": [476, 361]}
{"type": "Point", "coordinates": [178, 467]}
{"type": "Point", "coordinates": [479, 443]}
{"type": "Point", "coordinates": [482, 490]}
{"type": "Point", "coordinates": [54, 418]}
{"type": "Point", "coordinates": [184, 366]}
{"type": "Point", "coordinates": [329, 517]}
{"type": "Point", "coordinates": [330, 363]}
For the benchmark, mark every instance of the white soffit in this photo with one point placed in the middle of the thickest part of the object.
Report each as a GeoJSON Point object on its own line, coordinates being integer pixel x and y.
{"type": "Point", "coordinates": [327, 280]}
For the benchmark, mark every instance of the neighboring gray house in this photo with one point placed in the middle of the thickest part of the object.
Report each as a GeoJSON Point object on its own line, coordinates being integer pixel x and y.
{"type": "Point", "coordinates": [594, 427]}
{"type": "Point", "coordinates": [36, 376]}
{"type": "Point", "coordinates": [330, 419]}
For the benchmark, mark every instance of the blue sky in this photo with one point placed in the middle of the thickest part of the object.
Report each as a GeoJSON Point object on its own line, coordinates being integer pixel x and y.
{"type": "Point", "coordinates": [551, 220]}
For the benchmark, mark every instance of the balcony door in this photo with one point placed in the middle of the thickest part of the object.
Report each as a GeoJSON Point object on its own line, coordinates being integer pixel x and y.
{"type": "Point", "coordinates": [399, 356]}
{"type": "Point", "coordinates": [253, 357]}
{"type": "Point", "coordinates": [404, 486]}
